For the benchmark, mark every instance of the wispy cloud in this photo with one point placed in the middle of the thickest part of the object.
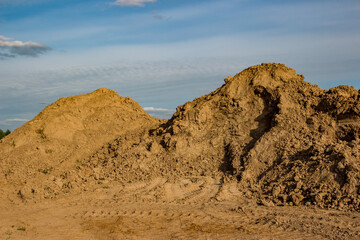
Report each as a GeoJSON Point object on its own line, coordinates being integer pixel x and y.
{"type": "Point", "coordinates": [157, 16]}
{"type": "Point", "coordinates": [8, 122]}
{"type": "Point", "coordinates": [131, 3]}
{"type": "Point", "coordinates": [157, 109]}
{"type": "Point", "coordinates": [12, 48]}
{"type": "Point", "coordinates": [23, 2]}
{"type": "Point", "coordinates": [6, 55]}
{"type": "Point", "coordinates": [159, 112]}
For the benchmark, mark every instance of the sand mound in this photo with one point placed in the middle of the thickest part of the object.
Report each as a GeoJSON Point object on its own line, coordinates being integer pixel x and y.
{"type": "Point", "coordinates": [284, 140]}
{"type": "Point", "coordinates": [280, 139]}
{"type": "Point", "coordinates": [60, 136]}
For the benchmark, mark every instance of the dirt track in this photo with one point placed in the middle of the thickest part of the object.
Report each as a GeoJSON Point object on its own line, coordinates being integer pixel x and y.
{"type": "Point", "coordinates": [193, 208]}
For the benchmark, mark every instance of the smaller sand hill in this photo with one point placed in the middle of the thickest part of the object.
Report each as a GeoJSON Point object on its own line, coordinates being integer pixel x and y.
{"type": "Point", "coordinates": [61, 135]}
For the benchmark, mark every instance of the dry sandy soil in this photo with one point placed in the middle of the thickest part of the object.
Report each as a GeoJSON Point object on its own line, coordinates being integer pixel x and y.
{"type": "Point", "coordinates": [193, 208]}
{"type": "Point", "coordinates": [265, 156]}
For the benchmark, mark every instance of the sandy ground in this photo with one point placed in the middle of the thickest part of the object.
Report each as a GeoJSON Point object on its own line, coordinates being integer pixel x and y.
{"type": "Point", "coordinates": [193, 208]}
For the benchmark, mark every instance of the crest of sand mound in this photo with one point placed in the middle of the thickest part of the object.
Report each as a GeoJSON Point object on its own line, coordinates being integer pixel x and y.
{"type": "Point", "coordinates": [284, 141]}
{"type": "Point", "coordinates": [64, 133]}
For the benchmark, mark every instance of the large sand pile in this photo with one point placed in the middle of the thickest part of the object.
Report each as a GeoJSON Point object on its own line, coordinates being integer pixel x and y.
{"type": "Point", "coordinates": [282, 141]}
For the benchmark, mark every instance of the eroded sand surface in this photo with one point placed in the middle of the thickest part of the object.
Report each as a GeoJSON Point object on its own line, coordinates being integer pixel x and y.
{"type": "Point", "coordinates": [192, 208]}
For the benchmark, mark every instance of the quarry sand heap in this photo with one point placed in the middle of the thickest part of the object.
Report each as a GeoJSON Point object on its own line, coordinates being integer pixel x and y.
{"type": "Point", "coordinates": [285, 141]}
{"type": "Point", "coordinates": [280, 139]}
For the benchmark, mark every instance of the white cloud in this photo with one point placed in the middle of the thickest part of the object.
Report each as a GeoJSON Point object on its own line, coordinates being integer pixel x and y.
{"type": "Point", "coordinates": [8, 122]}
{"type": "Point", "coordinates": [161, 113]}
{"type": "Point", "coordinates": [157, 109]}
{"type": "Point", "coordinates": [130, 3]}
{"type": "Point", "coordinates": [2, 38]}
{"type": "Point", "coordinates": [11, 48]}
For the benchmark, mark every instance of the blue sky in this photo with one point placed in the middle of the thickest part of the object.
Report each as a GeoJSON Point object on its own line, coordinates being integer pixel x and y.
{"type": "Point", "coordinates": [163, 53]}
